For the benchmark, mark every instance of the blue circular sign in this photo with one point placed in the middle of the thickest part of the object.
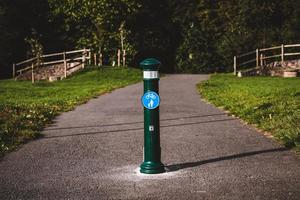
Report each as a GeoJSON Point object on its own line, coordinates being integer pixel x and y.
{"type": "Point", "coordinates": [150, 100]}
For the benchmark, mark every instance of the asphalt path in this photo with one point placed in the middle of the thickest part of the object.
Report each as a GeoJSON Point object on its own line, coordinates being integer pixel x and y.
{"type": "Point", "coordinates": [94, 152]}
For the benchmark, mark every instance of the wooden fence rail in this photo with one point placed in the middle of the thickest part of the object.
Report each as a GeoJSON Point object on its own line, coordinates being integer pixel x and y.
{"type": "Point", "coordinates": [260, 58]}
{"type": "Point", "coordinates": [76, 55]}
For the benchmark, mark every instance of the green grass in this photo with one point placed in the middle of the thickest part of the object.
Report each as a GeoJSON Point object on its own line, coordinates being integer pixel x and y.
{"type": "Point", "coordinates": [25, 109]}
{"type": "Point", "coordinates": [271, 103]}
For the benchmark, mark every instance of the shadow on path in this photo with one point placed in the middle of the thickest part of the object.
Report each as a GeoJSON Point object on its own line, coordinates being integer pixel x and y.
{"type": "Point", "coordinates": [134, 129]}
{"type": "Point", "coordinates": [181, 166]}
{"type": "Point", "coordinates": [130, 123]}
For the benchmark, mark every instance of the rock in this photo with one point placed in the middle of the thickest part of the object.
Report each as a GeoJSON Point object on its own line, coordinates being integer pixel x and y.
{"type": "Point", "coordinates": [276, 68]}
{"type": "Point", "coordinates": [45, 72]}
{"type": "Point", "coordinates": [239, 74]}
{"type": "Point", "coordinates": [290, 74]}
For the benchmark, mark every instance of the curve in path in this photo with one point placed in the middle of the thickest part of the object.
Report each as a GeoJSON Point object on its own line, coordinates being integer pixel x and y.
{"type": "Point", "coordinates": [93, 153]}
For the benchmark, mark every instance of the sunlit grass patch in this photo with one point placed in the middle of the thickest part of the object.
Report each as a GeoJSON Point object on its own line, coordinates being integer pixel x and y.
{"type": "Point", "coordinates": [271, 103]}
{"type": "Point", "coordinates": [25, 108]}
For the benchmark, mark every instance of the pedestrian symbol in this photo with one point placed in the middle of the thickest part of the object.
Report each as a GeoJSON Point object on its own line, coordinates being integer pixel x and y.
{"type": "Point", "coordinates": [150, 105]}
{"type": "Point", "coordinates": [150, 100]}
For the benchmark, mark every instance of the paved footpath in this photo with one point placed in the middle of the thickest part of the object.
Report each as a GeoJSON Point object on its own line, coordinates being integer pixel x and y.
{"type": "Point", "coordinates": [94, 152]}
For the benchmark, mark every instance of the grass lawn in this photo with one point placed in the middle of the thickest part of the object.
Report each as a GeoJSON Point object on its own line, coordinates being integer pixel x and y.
{"type": "Point", "coordinates": [271, 103]}
{"type": "Point", "coordinates": [25, 108]}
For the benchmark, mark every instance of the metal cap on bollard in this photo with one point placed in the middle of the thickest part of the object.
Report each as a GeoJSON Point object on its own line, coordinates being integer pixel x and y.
{"type": "Point", "coordinates": [151, 100]}
{"type": "Point", "coordinates": [150, 64]}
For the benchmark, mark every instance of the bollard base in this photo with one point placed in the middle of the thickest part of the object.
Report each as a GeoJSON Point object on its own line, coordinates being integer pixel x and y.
{"type": "Point", "coordinates": [150, 167]}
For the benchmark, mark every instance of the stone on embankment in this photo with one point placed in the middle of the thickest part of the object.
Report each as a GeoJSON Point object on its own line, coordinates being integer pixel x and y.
{"type": "Point", "coordinates": [48, 72]}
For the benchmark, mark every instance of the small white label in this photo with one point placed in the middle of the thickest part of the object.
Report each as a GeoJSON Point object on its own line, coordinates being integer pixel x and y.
{"type": "Point", "coordinates": [151, 128]}
{"type": "Point", "coordinates": [150, 74]}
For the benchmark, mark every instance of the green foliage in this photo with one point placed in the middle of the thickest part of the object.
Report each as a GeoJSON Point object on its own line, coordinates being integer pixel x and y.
{"type": "Point", "coordinates": [272, 104]}
{"type": "Point", "coordinates": [192, 36]}
{"type": "Point", "coordinates": [199, 28]}
{"type": "Point", "coordinates": [36, 48]}
{"type": "Point", "coordinates": [25, 108]}
{"type": "Point", "coordinates": [153, 34]}
{"type": "Point", "coordinates": [97, 22]}
{"type": "Point", "coordinates": [17, 20]}
{"type": "Point", "coordinates": [222, 29]}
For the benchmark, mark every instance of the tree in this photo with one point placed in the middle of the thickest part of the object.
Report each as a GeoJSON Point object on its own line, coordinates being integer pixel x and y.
{"type": "Point", "coordinates": [186, 35]}
{"type": "Point", "coordinates": [199, 31]}
{"type": "Point", "coordinates": [17, 20]}
{"type": "Point", "coordinates": [247, 25]}
{"type": "Point", "coordinates": [97, 22]}
{"type": "Point", "coordinates": [153, 33]}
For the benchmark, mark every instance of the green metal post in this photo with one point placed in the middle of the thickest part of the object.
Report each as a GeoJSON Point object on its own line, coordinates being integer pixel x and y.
{"type": "Point", "coordinates": [152, 150]}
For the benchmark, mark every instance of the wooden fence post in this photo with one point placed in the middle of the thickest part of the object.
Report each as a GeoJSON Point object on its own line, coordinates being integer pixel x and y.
{"type": "Point", "coordinates": [282, 54]}
{"type": "Point", "coordinates": [90, 57]}
{"type": "Point", "coordinates": [261, 60]}
{"type": "Point", "coordinates": [257, 57]}
{"type": "Point", "coordinates": [234, 65]}
{"type": "Point", "coordinates": [14, 70]}
{"type": "Point", "coordinates": [83, 58]}
{"type": "Point", "coordinates": [65, 65]}
{"type": "Point", "coordinates": [119, 57]}
{"type": "Point", "coordinates": [100, 59]}
{"type": "Point", "coordinates": [95, 59]}
{"type": "Point", "coordinates": [32, 74]}
{"type": "Point", "coordinates": [124, 58]}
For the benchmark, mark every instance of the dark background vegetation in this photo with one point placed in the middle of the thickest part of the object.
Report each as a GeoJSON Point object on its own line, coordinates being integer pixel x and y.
{"type": "Point", "coordinates": [191, 36]}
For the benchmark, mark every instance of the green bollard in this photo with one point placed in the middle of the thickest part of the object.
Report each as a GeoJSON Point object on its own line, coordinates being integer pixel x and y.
{"type": "Point", "coordinates": [150, 100]}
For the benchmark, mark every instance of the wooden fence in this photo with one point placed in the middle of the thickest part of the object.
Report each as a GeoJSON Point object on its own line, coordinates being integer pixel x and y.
{"type": "Point", "coordinates": [261, 56]}
{"type": "Point", "coordinates": [81, 55]}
